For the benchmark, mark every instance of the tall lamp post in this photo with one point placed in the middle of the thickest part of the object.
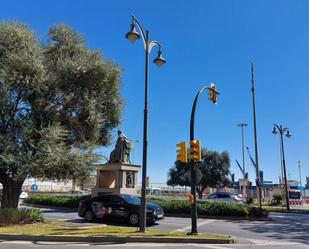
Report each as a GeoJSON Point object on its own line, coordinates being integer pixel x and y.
{"type": "Point", "coordinates": [299, 172]}
{"type": "Point", "coordinates": [258, 181]}
{"type": "Point", "coordinates": [242, 126]}
{"type": "Point", "coordinates": [287, 133]}
{"type": "Point", "coordinates": [133, 36]}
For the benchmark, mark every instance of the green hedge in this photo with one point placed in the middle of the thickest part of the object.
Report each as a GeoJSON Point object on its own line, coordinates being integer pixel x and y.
{"type": "Point", "coordinates": [206, 208]}
{"type": "Point", "coordinates": [170, 207]}
{"type": "Point", "coordinates": [10, 216]}
{"type": "Point", "coordinates": [55, 201]}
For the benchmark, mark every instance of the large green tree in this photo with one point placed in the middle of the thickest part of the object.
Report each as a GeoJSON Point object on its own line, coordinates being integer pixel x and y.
{"type": "Point", "coordinates": [58, 101]}
{"type": "Point", "coordinates": [214, 170]}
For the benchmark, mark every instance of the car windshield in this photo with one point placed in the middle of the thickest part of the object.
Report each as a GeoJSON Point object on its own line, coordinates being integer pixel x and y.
{"type": "Point", "coordinates": [132, 199]}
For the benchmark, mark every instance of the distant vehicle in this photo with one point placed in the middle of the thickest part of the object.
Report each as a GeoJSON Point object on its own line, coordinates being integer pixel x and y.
{"type": "Point", "coordinates": [224, 197]}
{"type": "Point", "coordinates": [118, 207]}
{"type": "Point", "coordinates": [79, 192]}
{"type": "Point", "coordinates": [23, 195]}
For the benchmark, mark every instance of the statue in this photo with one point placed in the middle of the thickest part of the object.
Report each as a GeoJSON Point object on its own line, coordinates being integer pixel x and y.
{"type": "Point", "coordinates": [129, 180]}
{"type": "Point", "coordinates": [123, 147]}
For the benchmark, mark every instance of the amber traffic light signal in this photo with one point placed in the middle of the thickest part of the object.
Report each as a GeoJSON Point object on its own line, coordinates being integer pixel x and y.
{"type": "Point", "coordinates": [182, 155]}
{"type": "Point", "coordinates": [195, 151]}
{"type": "Point", "coordinates": [213, 94]}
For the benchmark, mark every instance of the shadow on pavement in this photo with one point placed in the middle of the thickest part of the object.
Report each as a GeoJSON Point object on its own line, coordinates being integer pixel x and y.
{"type": "Point", "coordinates": [294, 231]}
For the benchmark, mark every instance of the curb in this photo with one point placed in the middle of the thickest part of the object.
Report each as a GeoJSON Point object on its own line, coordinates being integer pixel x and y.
{"type": "Point", "coordinates": [96, 239]}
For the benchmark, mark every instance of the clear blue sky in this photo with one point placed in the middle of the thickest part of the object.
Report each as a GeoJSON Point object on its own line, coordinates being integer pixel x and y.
{"type": "Point", "coordinates": [204, 41]}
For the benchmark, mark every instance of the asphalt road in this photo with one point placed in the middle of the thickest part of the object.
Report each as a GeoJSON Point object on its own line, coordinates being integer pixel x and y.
{"type": "Point", "coordinates": [284, 228]}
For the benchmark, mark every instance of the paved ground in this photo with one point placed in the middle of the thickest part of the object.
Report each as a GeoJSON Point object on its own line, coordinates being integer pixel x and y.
{"type": "Point", "coordinates": [53, 245]}
{"type": "Point", "coordinates": [285, 228]}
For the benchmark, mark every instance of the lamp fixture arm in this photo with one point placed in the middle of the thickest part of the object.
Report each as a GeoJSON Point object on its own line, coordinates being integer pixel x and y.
{"type": "Point", "coordinates": [152, 44]}
{"type": "Point", "coordinates": [145, 40]}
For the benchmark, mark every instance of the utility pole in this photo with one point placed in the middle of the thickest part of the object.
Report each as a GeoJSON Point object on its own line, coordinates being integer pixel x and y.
{"type": "Point", "coordinates": [257, 180]}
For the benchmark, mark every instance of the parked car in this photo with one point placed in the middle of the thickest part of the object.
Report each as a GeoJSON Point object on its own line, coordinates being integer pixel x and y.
{"type": "Point", "coordinates": [79, 192]}
{"type": "Point", "coordinates": [23, 195]}
{"type": "Point", "coordinates": [118, 206]}
{"type": "Point", "coordinates": [225, 197]}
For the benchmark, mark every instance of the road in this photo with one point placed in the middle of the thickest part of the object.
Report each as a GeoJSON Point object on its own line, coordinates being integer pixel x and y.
{"type": "Point", "coordinates": [284, 228]}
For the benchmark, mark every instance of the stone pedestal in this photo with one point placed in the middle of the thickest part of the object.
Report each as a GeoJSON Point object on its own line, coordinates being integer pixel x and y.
{"type": "Point", "coordinates": [117, 178]}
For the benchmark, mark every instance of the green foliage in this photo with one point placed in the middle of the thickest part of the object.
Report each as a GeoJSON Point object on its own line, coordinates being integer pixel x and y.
{"type": "Point", "coordinates": [10, 216]}
{"type": "Point", "coordinates": [203, 208]}
{"type": "Point", "coordinates": [249, 201]}
{"type": "Point", "coordinates": [59, 100]}
{"type": "Point", "coordinates": [214, 168]}
{"type": "Point", "coordinates": [56, 201]}
{"type": "Point", "coordinates": [277, 199]}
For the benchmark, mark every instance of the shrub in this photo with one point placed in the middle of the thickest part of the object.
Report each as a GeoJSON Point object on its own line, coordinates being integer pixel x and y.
{"type": "Point", "coordinates": [255, 212]}
{"type": "Point", "coordinates": [277, 199]}
{"type": "Point", "coordinates": [205, 208]}
{"type": "Point", "coordinates": [249, 201]}
{"type": "Point", "coordinates": [56, 201]}
{"type": "Point", "coordinates": [10, 216]}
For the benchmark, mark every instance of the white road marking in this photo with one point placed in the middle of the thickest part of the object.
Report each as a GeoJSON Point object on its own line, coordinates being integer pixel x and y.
{"type": "Point", "coordinates": [272, 242]}
{"type": "Point", "coordinates": [198, 225]}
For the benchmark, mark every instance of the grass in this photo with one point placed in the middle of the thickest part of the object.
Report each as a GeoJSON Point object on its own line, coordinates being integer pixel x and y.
{"type": "Point", "coordinates": [280, 209]}
{"type": "Point", "coordinates": [74, 229]}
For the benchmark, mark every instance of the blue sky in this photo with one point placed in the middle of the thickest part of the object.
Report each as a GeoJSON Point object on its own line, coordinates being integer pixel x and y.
{"type": "Point", "coordinates": [204, 41]}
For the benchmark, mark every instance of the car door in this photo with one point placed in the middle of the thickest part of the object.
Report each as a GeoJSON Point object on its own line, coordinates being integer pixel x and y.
{"type": "Point", "coordinates": [117, 206]}
{"type": "Point", "coordinates": [98, 205]}
{"type": "Point", "coordinates": [212, 197]}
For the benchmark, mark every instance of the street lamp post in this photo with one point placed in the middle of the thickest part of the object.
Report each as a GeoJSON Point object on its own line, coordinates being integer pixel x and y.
{"type": "Point", "coordinates": [243, 125]}
{"type": "Point", "coordinates": [299, 173]}
{"type": "Point", "coordinates": [192, 163]}
{"type": "Point", "coordinates": [133, 36]}
{"type": "Point", "coordinates": [258, 182]}
{"type": "Point", "coordinates": [282, 131]}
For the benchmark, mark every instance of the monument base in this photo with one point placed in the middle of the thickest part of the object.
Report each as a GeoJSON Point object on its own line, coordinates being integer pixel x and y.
{"type": "Point", "coordinates": [119, 178]}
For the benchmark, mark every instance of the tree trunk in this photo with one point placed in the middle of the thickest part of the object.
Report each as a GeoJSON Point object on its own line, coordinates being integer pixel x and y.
{"type": "Point", "coordinates": [200, 191]}
{"type": "Point", "coordinates": [11, 192]}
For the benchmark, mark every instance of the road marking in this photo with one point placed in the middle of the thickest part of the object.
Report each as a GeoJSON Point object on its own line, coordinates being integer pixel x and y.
{"type": "Point", "coordinates": [272, 242]}
{"type": "Point", "coordinates": [198, 225]}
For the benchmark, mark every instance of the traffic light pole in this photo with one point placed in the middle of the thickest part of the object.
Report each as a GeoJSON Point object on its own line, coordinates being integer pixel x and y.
{"type": "Point", "coordinates": [193, 166]}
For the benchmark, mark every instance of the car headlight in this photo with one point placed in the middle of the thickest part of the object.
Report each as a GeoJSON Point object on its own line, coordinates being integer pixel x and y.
{"type": "Point", "coordinates": [155, 212]}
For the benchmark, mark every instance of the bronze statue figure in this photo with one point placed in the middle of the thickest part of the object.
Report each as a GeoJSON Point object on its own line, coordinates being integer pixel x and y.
{"type": "Point", "coordinates": [123, 147]}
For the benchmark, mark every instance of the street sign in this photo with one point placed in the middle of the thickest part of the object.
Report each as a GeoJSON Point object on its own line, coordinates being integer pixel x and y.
{"type": "Point", "coordinates": [34, 187]}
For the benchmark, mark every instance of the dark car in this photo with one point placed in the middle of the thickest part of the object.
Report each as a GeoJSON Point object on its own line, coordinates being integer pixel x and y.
{"type": "Point", "coordinates": [118, 206]}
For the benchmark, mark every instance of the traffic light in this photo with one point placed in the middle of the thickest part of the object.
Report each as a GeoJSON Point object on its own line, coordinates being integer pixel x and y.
{"type": "Point", "coordinates": [213, 93]}
{"type": "Point", "coordinates": [191, 199]}
{"type": "Point", "coordinates": [195, 151]}
{"type": "Point", "coordinates": [182, 155]}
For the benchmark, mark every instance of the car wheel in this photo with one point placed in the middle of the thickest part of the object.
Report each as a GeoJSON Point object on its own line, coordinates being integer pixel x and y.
{"type": "Point", "coordinates": [133, 219]}
{"type": "Point", "coordinates": [89, 216]}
